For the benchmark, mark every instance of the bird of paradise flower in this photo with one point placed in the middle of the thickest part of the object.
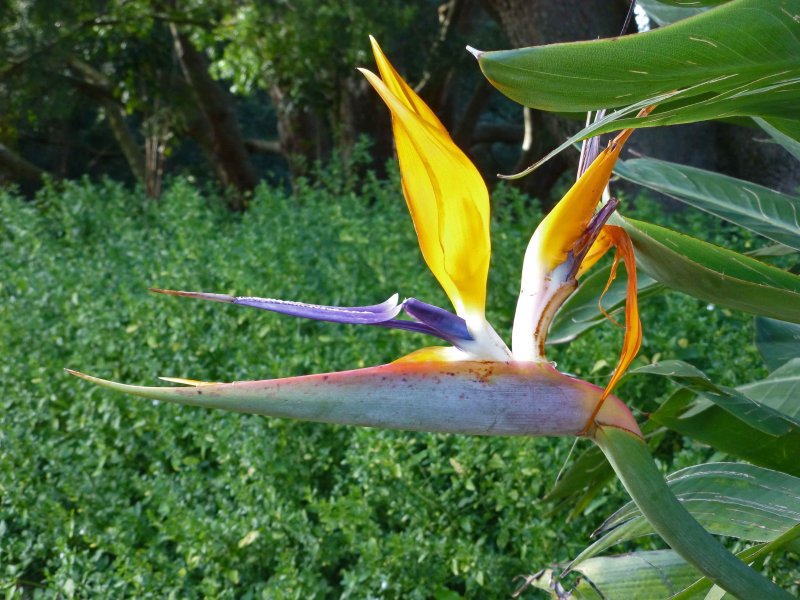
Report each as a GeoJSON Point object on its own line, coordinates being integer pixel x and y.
{"type": "Point", "coordinates": [489, 388]}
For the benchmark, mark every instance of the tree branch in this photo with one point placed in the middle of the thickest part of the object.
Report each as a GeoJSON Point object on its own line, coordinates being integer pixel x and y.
{"type": "Point", "coordinates": [96, 85]}
{"type": "Point", "coordinates": [18, 168]}
{"type": "Point", "coordinates": [258, 146]}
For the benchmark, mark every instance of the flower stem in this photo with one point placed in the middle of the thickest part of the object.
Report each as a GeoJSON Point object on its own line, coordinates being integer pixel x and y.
{"type": "Point", "coordinates": [634, 465]}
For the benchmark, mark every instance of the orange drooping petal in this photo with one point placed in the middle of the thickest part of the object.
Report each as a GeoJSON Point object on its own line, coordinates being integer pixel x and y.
{"type": "Point", "coordinates": [633, 325]}
{"type": "Point", "coordinates": [445, 193]}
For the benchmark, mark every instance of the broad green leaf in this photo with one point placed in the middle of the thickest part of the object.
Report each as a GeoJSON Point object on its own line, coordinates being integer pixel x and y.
{"type": "Point", "coordinates": [734, 401]}
{"type": "Point", "coordinates": [743, 58]}
{"type": "Point", "coordinates": [777, 341]}
{"type": "Point", "coordinates": [580, 312]}
{"type": "Point", "coordinates": [712, 273]}
{"type": "Point", "coordinates": [757, 208]}
{"type": "Point", "coordinates": [740, 59]}
{"type": "Point", "coordinates": [787, 134]}
{"type": "Point", "coordinates": [664, 13]}
{"type": "Point", "coordinates": [780, 391]}
{"type": "Point", "coordinates": [581, 482]}
{"type": "Point", "coordinates": [749, 556]}
{"type": "Point", "coordinates": [697, 418]}
{"type": "Point", "coordinates": [652, 575]}
{"type": "Point", "coordinates": [655, 575]}
{"type": "Point", "coordinates": [737, 500]}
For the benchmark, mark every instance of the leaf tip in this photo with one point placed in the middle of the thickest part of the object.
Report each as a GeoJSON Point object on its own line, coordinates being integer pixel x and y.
{"type": "Point", "coordinates": [475, 52]}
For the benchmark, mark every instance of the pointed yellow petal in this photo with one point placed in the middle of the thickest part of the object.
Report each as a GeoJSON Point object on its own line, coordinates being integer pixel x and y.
{"type": "Point", "coordinates": [447, 198]}
{"type": "Point", "coordinates": [402, 91]}
{"type": "Point", "coordinates": [566, 223]}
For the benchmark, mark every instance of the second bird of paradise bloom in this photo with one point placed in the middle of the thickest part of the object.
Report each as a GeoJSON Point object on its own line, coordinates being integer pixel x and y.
{"type": "Point", "coordinates": [476, 384]}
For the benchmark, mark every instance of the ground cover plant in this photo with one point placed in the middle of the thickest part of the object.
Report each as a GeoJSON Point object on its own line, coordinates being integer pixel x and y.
{"type": "Point", "coordinates": [104, 497]}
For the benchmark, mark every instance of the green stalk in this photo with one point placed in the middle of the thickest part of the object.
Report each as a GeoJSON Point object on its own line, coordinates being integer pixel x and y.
{"type": "Point", "coordinates": [633, 464]}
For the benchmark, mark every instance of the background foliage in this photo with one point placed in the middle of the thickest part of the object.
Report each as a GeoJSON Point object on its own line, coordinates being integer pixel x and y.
{"type": "Point", "coordinates": [102, 496]}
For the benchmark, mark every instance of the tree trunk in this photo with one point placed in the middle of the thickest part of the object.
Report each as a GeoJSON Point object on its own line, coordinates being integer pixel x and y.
{"type": "Point", "coordinates": [225, 145]}
{"type": "Point", "coordinates": [97, 86]}
{"type": "Point", "coordinates": [304, 136]}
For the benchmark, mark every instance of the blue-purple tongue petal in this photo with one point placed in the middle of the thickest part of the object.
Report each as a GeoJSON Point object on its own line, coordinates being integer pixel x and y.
{"type": "Point", "coordinates": [429, 319]}
{"type": "Point", "coordinates": [366, 315]}
{"type": "Point", "coordinates": [447, 326]}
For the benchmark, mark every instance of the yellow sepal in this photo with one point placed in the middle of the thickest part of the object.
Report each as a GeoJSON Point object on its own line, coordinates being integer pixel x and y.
{"type": "Point", "coordinates": [432, 354]}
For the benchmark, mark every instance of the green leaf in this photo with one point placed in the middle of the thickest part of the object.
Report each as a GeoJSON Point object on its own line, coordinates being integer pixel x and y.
{"type": "Point", "coordinates": [753, 413]}
{"type": "Point", "coordinates": [580, 312]}
{"type": "Point", "coordinates": [732, 499]}
{"type": "Point", "coordinates": [757, 208]}
{"type": "Point", "coordinates": [581, 482]}
{"type": "Point", "coordinates": [698, 418]}
{"type": "Point", "coordinates": [749, 556]}
{"type": "Point", "coordinates": [772, 251]}
{"type": "Point", "coordinates": [587, 476]}
{"type": "Point", "coordinates": [777, 341]}
{"type": "Point", "coordinates": [779, 391]}
{"type": "Point", "coordinates": [785, 132]}
{"type": "Point", "coordinates": [737, 60]}
{"type": "Point", "coordinates": [669, 517]}
{"type": "Point", "coordinates": [655, 575]}
{"type": "Point", "coordinates": [712, 273]}
{"type": "Point", "coordinates": [652, 575]}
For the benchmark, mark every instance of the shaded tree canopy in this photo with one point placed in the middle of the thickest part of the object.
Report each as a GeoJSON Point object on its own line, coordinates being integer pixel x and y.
{"type": "Point", "coordinates": [134, 89]}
